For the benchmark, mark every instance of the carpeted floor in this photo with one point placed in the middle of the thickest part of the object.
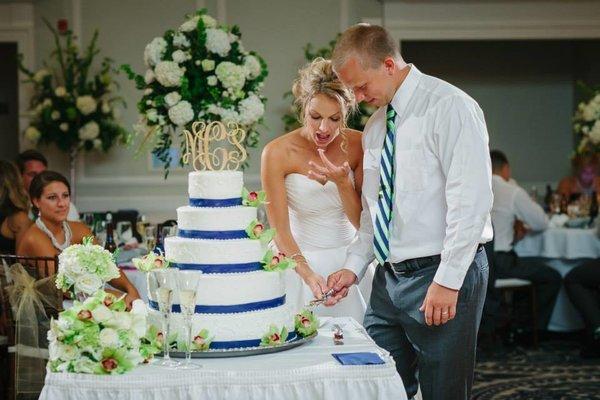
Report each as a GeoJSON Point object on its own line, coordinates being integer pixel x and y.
{"type": "Point", "coordinates": [553, 371]}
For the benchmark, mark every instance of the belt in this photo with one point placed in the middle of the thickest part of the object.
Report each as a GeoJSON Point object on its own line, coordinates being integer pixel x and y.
{"type": "Point", "coordinates": [415, 264]}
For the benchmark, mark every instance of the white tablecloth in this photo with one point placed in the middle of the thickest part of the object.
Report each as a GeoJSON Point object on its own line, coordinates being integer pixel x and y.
{"type": "Point", "coordinates": [562, 249]}
{"type": "Point", "coordinates": [306, 372]}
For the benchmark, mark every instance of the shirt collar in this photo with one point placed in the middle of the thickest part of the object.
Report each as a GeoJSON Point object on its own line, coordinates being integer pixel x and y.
{"type": "Point", "coordinates": [406, 89]}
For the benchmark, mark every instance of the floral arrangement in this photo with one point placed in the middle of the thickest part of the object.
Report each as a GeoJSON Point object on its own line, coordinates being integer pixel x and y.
{"type": "Point", "coordinates": [85, 268]}
{"type": "Point", "coordinates": [274, 336]}
{"type": "Point", "coordinates": [253, 199]}
{"type": "Point", "coordinates": [277, 262]}
{"type": "Point", "coordinates": [357, 120]}
{"type": "Point", "coordinates": [306, 323]}
{"type": "Point", "coordinates": [199, 71]}
{"type": "Point", "coordinates": [150, 262]}
{"type": "Point", "coordinates": [71, 107]}
{"type": "Point", "coordinates": [586, 122]}
{"type": "Point", "coordinates": [257, 231]}
{"type": "Point", "coordinates": [99, 337]}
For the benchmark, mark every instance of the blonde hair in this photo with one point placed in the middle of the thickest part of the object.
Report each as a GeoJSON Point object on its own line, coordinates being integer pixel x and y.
{"type": "Point", "coordinates": [13, 197]}
{"type": "Point", "coordinates": [371, 43]}
{"type": "Point", "coordinates": [318, 78]}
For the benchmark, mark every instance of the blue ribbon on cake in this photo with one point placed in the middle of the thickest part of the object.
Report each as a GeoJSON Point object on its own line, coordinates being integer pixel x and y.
{"type": "Point", "coordinates": [219, 235]}
{"type": "Point", "coordinates": [220, 268]}
{"type": "Point", "coordinates": [197, 202]}
{"type": "Point", "coordinates": [229, 309]}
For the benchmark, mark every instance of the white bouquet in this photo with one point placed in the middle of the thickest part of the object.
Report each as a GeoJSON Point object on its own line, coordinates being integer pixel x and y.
{"type": "Point", "coordinates": [85, 268]}
{"type": "Point", "coordinates": [586, 122]}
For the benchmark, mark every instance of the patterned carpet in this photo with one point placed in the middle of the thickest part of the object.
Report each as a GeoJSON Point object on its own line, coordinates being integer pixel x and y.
{"type": "Point", "coordinates": [553, 371]}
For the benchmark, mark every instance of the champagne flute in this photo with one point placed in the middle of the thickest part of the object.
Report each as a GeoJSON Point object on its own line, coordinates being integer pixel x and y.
{"type": "Point", "coordinates": [162, 286]}
{"type": "Point", "coordinates": [187, 284]}
{"type": "Point", "coordinates": [150, 235]}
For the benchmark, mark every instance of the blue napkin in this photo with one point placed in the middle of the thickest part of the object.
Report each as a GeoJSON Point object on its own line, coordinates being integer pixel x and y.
{"type": "Point", "coordinates": [362, 358]}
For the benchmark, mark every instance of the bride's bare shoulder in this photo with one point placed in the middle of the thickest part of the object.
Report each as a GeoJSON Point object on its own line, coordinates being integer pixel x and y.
{"type": "Point", "coordinates": [281, 146]}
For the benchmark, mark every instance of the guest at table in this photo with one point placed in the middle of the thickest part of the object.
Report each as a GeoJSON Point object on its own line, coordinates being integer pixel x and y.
{"type": "Point", "coordinates": [50, 193]}
{"type": "Point", "coordinates": [32, 162]}
{"type": "Point", "coordinates": [585, 179]}
{"type": "Point", "coordinates": [513, 204]}
{"type": "Point", "coordinates": [583, 287]}
{"type": "Point", "coordinates": [14, 206]}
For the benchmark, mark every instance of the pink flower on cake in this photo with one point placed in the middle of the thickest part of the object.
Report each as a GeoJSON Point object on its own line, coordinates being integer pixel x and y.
{"type": "Point", "coordinates": [275, 260]}
{"type": "Point", "coordinates": [108, 301]}
{"type": "Point", "coordinates": [109, 364]}
{"type": "Point", "coordinates": [84, 315]}
{"type": "Point", "coordinates": [199, 341]}
{"type": "Point", "coordinates": [258, 229]}
{"type": "Point", "coordinates": [275, 338]}
{"type": "Point", "coordinates": [160, 337]}
{"type": "Point", "coordinates": [252, 196]}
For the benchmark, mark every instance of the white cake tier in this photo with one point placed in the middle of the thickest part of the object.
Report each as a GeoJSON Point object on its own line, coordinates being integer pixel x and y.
{"type": "Point", "coordinates": [238, 289]}
{"type": "Point", "coordinates": [215, 185]}
{"type": "Point", "coordinates": [202, 251]}
{"type": "Point", "coordinates": [231, 327]}
{"type": "Point", "coordinates": [215, 219]}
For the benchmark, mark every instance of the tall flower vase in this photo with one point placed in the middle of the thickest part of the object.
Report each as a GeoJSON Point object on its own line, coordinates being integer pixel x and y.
{"type": "Point", "coordinates": [72, 163]}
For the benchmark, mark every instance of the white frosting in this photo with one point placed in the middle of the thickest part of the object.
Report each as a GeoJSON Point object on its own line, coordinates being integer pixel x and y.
{"type": "Point", "coordinates": [237, 288]}
{"type": "Point", "coordinates": [215, 184]}
{"type": "Point", "coordinates": [204, 251]}
{"type": "Point", "coordinates": [229, 327]}
{"type": "Point", "coordinates": [215, 219]}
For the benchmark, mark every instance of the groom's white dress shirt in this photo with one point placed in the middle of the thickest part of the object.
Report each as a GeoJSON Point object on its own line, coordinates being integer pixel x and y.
{"type": "Point", "coordinates": [442, 189]}
{"type": "Point", "coordinates": [512, 202]}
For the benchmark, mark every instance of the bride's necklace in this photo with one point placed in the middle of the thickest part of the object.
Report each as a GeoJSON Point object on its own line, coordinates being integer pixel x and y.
{"type": "Point", "coordinates": [40, 224]}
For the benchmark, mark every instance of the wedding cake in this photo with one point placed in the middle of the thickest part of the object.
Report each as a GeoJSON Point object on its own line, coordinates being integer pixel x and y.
{"type": "Point", "coordinates": [241, 296]}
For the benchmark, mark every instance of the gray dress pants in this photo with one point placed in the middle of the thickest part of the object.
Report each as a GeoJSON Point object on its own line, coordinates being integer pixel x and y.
{"type": "Point", "coordinates": [440, 359]}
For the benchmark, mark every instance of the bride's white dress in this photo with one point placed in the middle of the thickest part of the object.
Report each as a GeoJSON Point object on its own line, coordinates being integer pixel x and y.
{"type": "Point", "coordinates": [323, 232]}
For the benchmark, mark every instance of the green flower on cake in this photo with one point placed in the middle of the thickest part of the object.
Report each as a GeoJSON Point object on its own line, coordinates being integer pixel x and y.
{"type": "Point", "coordinates": [257, 231]}
{"type": "Point", "coordinates": [277, 262]}
{"type": "Point", "coordinates": [150, 262]}
{"type": "Point", "coordinates": [306, 323]}
{"type": "Point", "coordinates": [202, 341]}
{"type": "Point", "coordinates": [253, 199]}
{"type": "Point", "coordinates": [274, 336]}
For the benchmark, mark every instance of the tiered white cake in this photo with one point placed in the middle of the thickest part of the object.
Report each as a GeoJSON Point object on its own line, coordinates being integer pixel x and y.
{"type": "Point", "coordinates": [238, 299]}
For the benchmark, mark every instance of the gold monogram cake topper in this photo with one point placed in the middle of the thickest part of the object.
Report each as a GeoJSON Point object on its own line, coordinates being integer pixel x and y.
{"type": "Point", "coordinates": [200, 154]}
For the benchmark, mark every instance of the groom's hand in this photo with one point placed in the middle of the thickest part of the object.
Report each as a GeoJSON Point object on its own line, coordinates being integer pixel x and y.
{"type": "Point", "coordinates": [439, 304]}
{"type": "Point", "coordinates": [340, 281]}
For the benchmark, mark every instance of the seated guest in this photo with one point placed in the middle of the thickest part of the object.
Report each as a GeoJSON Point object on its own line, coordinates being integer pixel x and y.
{"type": "Point", "coordinates": [14, 207]}
{"type": "Point", "coordinates": [585, 179]}
{"type": "Point", "coordinates": [50, 193]}
{"type": "Point", "coordinates": [512, 204]}
{"type": "Point", "coordinates": [32, 162]}
{"type": "Point", "coordinates": [583, 287]}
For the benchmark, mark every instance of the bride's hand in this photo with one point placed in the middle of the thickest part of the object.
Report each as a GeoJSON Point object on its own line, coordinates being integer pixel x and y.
{"type": "Point", "coordinates": [336, 174]}
{"type": "Point", "coordinates": [317, 284]}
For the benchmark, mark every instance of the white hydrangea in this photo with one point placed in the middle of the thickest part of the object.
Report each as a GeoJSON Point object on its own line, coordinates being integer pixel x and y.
{"type": "Point", "coordinates": [152, 115]}
{"type": "Point", "coordinates": [209, 21]}
{"type": "Point", "coordinates": [86, 104]}
{"type": "Point", "coordinates": [147, 91]}
{"type": "Point", "coordinates": [172, 98]}
{"type": "Point", "coordinates": [231, 76]}
{"type": "Point", "coordinates": [47, 102]}
{"type": "Point", "coordinates": [594, 134]}
{"type": "Point", "coordinates": [179, 40]}
{"type": "Point", "coordinates": [64, 127]}
{"type": "Point", "coordinates": [208, 65]}
{"type": "Point", "coordinates": [217, 41]}
{"type": "Point", "coordinates": [252, 66]}
{"type": "Point", "coordinates": [212, 80]}
{"type": "Point", "coordinates": [89, 131]}
{"type": "Point", "coordinates": [60, 91]}
{"type": "Point", "coordinates": [32, 134]}
{"type": "Point", "coordinates": [55, 115]}
{"type": "Point", "coordinates": [40, 75]}
{"type": "Point", "coordinates": [105, 107]}
{"type": "Point", "coordinates": [154, 51]}
{"type": "Point", "coordinates": [189, 25]}
{"type": "Point", "coordinates": [180, 56]}
{"type": "Point", "coordinates": [181, 113]}
{"type": "Point", "coordinates": [97, 144]}
{"type": "Point", "coordinates": [251, 109]}
{"type": "Point", "coordinates": [168, 73]}
{"type": "Point", "coordinates": [149, 76]}
{"type": "Point", "coordinates": [226, 114]}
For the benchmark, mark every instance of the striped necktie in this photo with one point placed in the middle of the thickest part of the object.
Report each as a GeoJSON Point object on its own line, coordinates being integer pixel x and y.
{"type": "Point", "coordinates": [386, 191]}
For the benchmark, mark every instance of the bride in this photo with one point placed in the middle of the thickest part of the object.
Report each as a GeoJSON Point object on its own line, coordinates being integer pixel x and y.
{"type": "Point", "coordinates": [313, 177]}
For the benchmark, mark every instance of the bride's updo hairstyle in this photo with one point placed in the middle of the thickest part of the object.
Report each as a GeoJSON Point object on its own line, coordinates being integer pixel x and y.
{"type": "Point", "coordinates": [318, 78]}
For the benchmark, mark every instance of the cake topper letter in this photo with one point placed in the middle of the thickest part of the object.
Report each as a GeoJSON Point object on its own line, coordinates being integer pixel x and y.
{"type": "Point", "coordinates": [202, 156]}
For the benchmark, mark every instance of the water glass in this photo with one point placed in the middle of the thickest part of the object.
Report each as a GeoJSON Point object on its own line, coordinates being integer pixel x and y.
{"type": "Point", "coordinates": [162, 286]}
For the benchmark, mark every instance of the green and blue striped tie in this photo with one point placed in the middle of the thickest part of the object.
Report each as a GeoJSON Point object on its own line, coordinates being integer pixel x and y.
{"type": "Point", "coordinates": [386, 191]}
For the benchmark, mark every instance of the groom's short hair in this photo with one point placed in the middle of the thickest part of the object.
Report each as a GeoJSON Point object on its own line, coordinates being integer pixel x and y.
{"type": "Point", "coordinates": [499, 160]}
{"type": "Point", "coordinates": [370, 43]}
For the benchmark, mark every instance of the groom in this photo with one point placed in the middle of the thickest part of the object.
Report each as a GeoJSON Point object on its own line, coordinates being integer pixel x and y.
{"type": "Point", "coordinates": [426, 213]}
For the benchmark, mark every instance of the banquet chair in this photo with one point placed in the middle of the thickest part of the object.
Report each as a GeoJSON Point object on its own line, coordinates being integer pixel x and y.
{"type": "Point", "coordinates": [507, 288]}
{"type": "Point", "coordinates": [38, 268]}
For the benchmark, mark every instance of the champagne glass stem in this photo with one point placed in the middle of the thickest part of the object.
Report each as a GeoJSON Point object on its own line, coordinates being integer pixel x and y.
{"type": "Point", "coordinates": [166, 336]}
{"type": "Point", "coordinates": [188, 351]}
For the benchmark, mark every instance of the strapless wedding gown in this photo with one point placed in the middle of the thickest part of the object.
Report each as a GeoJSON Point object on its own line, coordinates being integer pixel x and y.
{"type": "Point", "coordinates": [323, 232]}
